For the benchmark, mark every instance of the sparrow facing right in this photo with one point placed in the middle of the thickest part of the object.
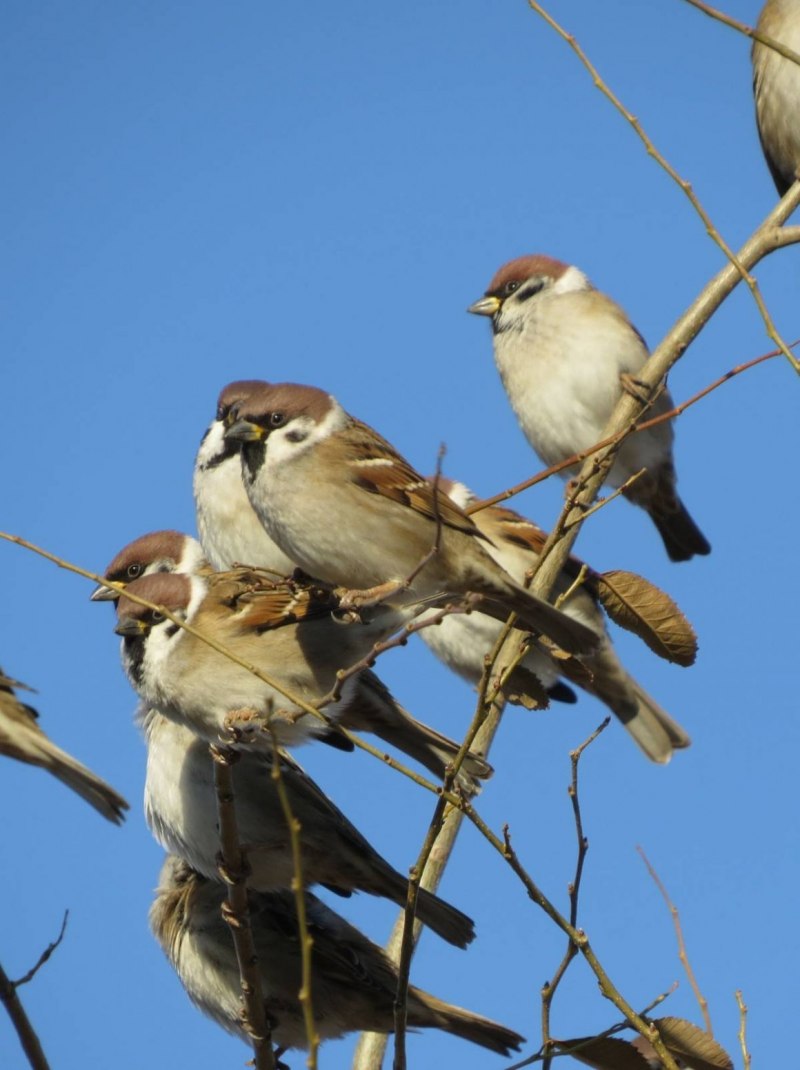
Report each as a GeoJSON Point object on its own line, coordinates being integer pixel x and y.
{"type": "Point", "coordinates": [565, 352]}
{"type": "Point", "coordinates": [22, 738]}
{"type": "Point", "coordinates": [372, 707]}
{"type": "Point", "coordinates": [343, 504]}
{"type": "Point", "coordinates": [354, 983]}
{"type": "Point", "coordinates": [776, 87]}
{"type": "Point", "coordinates": [181, 811]}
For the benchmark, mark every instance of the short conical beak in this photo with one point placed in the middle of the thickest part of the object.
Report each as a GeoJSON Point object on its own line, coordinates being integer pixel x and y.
{"type": "Point", "coordinates": [131, 629]}
{"type": "Point", "coordinates": [101, 593]}
{"type": "Point", "coordinates": [487, 306]}
{"type": "Point", "coordinates": [244, 431]}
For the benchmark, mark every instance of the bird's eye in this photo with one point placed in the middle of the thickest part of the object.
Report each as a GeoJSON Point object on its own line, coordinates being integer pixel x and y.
{"type": "Point", "coordinates": [276, 419]}
{"type": "Point", "coordinates": [134, 571]}
{"type": "Point", "coordinates": [157, 617]}
{"type": "Point", "coordinates": [510, 287]}
{"type": "Point", "coordinates": [222, 412]}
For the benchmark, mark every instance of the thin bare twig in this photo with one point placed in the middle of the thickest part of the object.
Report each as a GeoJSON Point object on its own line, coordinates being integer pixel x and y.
{"type": "Point", "coordinates": [748, 31]}
{"type": "Point", "coordinates": [581, 941]}
{"type": "Point", "coordinates": [236, 910]}
{"type": "Point", "coordinates": [550, 988]}
{"type": "Point", "coordinates": [602, 502]}
{"type": "Point", "coordinates": [743, 1029]}
{"type": "Point", "coordinates": [736, 261]}
{"type": "Point", "coordinates": [682, 953]}
{"type": "Point", "coordinates": [45, 955]}
{"type": "Point", "coordinates": [28, 1039]}
{"type": "Point", "coordinates": [299, 889]}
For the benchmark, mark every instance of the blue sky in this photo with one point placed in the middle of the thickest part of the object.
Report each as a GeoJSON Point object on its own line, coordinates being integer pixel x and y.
{"type": "Point", "coordinates": [195, 193]}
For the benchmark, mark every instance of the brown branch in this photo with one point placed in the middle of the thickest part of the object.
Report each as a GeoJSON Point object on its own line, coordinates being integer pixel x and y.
{"type": "Point", "coordinates": [299, 889]}
{"type": "Point", "coordinates": [736, 262]}
{"type": "Point", "coordinates": [45, 955]}
{"type": "Point", "coordinates": [581, 941]}
{"type": "Point", "coordinates": [433, 858]}
{"type": "Point", "coordinates": [236, 910]}
{"type": "Point", "coordinates": [576, 458]}
{"type": "Point", "coordinates": [748, 31]}
{"type": "Point", "coordinates": [550, 988]}
{"type": "Point", "coordinates": [682, 953]}
{"type": "Point", "coordinates": [28, 1039]}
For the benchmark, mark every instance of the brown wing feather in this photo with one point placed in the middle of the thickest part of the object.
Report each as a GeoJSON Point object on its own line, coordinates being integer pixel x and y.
{"type": "Point", "coordinates": [529, 536]}
{"type": "Point", "coordinates": [397, 480]}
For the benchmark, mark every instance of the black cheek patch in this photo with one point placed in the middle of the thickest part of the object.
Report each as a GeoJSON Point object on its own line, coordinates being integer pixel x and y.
{"type": "Point", "coordinates": [253, 454]}
{"type": "Point", "coordinates": [229, 449]}
{"type": "Point", "coordinates": [134, 648]}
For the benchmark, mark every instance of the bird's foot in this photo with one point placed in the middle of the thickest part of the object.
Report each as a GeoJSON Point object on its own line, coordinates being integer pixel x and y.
{"type": "Point", "coordinates": [635, 387]}
{"type": "Point", "coordinates": [242, 725]}
{"type": "Point", "coordinates": [370, 596]}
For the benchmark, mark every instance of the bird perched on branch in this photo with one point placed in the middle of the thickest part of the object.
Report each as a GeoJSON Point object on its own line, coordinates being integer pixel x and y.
{"type": "Point", "coordinates": [354, 982]}
{"type": "Point", "coordinates": [23, 739]}
{"type": "Point", "coordinates": [463, 642]}
{"type": "Point", "coordinates": [372, 708]}
{"type": "Point", "coordinates": [565, 353]}
{"type": "Point", "coordinates": [181, 809]}
{"type": "Point", "coordinates": [776, 86]}
{"type": "Point", "coordinates": [348, 509]}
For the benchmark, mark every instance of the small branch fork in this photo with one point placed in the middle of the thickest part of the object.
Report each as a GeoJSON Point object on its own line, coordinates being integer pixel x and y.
{"type": "Point", "coordinates": [29, 1041]}
{"type": "Point", "coordinates": [550, 988]}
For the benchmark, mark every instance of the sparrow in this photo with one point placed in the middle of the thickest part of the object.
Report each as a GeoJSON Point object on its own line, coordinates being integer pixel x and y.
{"type": "Point", "coordinates": [181, 810]}
{"type": "Point", "coordinates": [565, 353]}
{"type": "Point", "coordinates": [462, 642]}
{"type": "Point", "coordinates": [372, 707]}
{"type": "Point", "coordinates": [343, 504]}
{"type": "Point", "coordinates": [23, 739]}
{"type": "Point", "coordinates": [230, 532]}
{"type": "Point", "coordinates": [354, 981]}
{"type": "Point", "coordinates": [776, 87]}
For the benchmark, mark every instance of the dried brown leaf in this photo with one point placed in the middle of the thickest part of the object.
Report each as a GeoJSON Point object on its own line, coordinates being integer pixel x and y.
{"type": "Point", "coordinates": [604, 1053]}
{"type": "Point", "coordinates": [634, 603]}
{"type": "Point", "coordinates": [692, 1045]}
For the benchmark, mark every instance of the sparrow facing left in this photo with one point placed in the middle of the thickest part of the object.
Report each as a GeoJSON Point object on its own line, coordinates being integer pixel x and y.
{"type": "Point", "coordinates": [565, 352]}
{"type": "Point", "coordinates": [354, 982]}
{"type": "Point", "coordinates": [776, 86]}
{"type": "Point", "coordinates": [22, 738]}
{"type": "Point", "coordinates": [230, 532]}
{"type": "Point", "coordinates": [181, 810]}
{"type": "Point", "coordinates": [372, 707]}
{"type": "Point", "coordinates": [343, 504]}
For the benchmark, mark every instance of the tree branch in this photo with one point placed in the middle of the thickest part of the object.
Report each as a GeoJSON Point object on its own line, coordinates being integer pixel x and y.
{"type": "Point", "coordinates": [236, 910]}
{"type": "Point", "coordinates": [28, 1039]}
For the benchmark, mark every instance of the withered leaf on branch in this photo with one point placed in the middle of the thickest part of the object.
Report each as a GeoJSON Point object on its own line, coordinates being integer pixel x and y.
{"type": "Point", "coordinates": [604, 1053]}
{"type": "Point", "coordinates": [639, 606]}
{"type": "Point", "coordinates": [692, 1045]}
